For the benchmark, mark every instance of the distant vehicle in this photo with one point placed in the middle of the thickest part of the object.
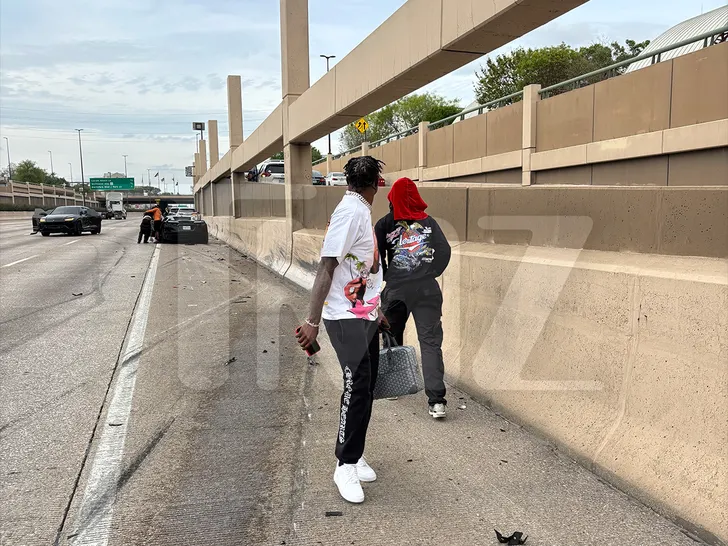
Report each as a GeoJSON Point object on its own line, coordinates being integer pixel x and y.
{"type": "Point", "coordinates": [317, 179]}
{"type": "Point", "coordinates": [335, 179]}
{"type": "Point", "coordinates": [184, 227]}
{"type": "Point", "coordinates": [70, 220]}
{"type": "Point", "coordinates": [115, 205]}
{"type": "Point", "coordinates": [182, 209]}
{"type": "Point", "coordinates": [382, 182]}
{"type": "Point", "coordinates": [37, 215]}
{"type": "Point", "coordinates": [270, 171]}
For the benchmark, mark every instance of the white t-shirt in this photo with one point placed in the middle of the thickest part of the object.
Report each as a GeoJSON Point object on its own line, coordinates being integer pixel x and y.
{"type": "Point", "coordinates": [349, 238]}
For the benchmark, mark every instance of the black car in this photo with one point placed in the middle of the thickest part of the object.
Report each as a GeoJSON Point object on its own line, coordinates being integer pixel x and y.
{"type": "Point", "coordinates": [70, 220]}
{"type": "Point", "coordinates": [184, 228]}
{"type": "Point", "coordinates": [317, 179]}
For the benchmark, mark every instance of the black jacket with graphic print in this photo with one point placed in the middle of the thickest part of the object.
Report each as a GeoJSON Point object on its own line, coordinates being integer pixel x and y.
{"type": "Point", "coordinates": [411, 250]}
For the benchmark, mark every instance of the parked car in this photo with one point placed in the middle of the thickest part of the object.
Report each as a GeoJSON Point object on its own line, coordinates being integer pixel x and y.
{"type": "Point", "coordinates": [335, 179]}
{"type": "Point", "coordinates": [70, 220]}
{"type": "Point", "coordinates": [184, 226]}
{"type": "Point", "coordinates": [317, 179]}
{"type": "Point", "coordinates": [382, 182]}
{"type": "Point", "coordinates": [270, 171]}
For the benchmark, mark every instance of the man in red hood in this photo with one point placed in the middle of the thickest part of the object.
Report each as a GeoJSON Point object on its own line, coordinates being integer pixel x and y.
{"type": "Point", "coordinates": [414, 252]}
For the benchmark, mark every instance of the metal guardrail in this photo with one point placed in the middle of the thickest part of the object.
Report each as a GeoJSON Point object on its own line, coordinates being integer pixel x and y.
{"type": "Point", "coordinates": [480, 108]}
{"type": "Point", "coordinates": [395, 136]}
{"type": "Point", "coordinates": [318, 162]}
{"type": "Point", "coordinates": [654, 55]}
{"type": "Point", "coordinates": [708, 38]}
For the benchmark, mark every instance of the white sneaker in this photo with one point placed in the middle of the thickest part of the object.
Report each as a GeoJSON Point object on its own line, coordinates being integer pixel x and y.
{"type": "Point", "coordinates": [365, 472]}
{"type": "Point", "coordinates": [437, 411]}
{"type": "Point", "coordinates": [347, 480]}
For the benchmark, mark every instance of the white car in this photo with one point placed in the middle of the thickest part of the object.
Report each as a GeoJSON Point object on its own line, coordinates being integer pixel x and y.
{"type": "Point", "coordinates": [336, 179]}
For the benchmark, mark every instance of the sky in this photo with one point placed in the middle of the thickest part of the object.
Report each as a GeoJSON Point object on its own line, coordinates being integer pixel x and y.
{"type": "Point", "coordinates": [135, 74]}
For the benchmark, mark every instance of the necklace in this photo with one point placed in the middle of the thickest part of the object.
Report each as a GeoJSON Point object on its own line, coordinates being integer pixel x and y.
{"type": "Point", "coordinates": [359, 196]}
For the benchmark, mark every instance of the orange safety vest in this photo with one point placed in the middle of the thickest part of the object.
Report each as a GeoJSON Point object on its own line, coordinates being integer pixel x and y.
{"type": "Point", "coordinates": [156, 213]}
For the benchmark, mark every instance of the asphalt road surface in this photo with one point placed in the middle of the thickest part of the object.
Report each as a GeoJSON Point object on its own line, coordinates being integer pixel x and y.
{"type": "Point", "coordinates": [153, 394]}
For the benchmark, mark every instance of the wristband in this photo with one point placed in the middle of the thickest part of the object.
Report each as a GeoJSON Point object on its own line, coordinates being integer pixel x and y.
{"type": "Point", "coordinates": [311, 324]}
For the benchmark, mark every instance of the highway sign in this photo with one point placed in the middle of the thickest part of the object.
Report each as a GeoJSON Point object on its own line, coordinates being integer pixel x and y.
{"type": "Point", "coordinates": [198, 125]}
{"type": "Point", "coordinates": [361, 125]}
{"type": "Point", "coordinates": [188, 171]}
{"type": "Point", "coordinates": [110, 184]}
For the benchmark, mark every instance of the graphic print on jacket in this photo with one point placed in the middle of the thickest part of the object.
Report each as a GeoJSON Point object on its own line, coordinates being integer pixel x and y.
{"type": "Point", "coordinates": [411, 245]}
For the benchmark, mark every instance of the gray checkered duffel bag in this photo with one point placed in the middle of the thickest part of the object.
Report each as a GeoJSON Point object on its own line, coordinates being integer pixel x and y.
{"type": "Point", "coordinates": [399, 372]}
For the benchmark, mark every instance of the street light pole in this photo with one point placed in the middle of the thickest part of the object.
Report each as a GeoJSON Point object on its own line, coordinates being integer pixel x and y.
{"type": "Point", "coordinates": [80, 153]}
{"type": "Point", "coordinates": [327, 57]}
{"type": "Point", "coordinates": [10, 165]}
{"type": "Point", "coordinates": [125, 156]}
{"type": "Point", "coordinates": [71, 167]}
{"type": "Point", "coordinates": [51, 154]}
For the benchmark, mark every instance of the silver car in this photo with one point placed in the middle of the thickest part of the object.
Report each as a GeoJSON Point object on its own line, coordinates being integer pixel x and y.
{"type": "Point", "coordinates": [272, 172]}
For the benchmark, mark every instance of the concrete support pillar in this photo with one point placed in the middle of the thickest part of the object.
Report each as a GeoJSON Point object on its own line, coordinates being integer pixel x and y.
{"type": "Point", "coordinates": [329, 163]}
{"type": "Point", "coordinates": [364, 148]}
{"type": "Point", "coordinates": [295, 79]}
{"type": "Point", "coordinates": [422, 130]}
{"type": "Point", "coordinates": [530, 97]}
{"type": "Point", "coordinates": [214, 145]}
{"type": "Point", "coordinates": [203, 157]}
{"type": "Point", "coordinates": [235, 110]}
{"type": "Point", "coordinates": [235, 178]}
{"type": "Point", "coordinates": [196, 168]}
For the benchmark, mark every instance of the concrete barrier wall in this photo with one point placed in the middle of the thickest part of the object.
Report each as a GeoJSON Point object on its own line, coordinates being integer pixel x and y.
{"type": "Point", "coordinates": [265, 240]}
{"type": "Point", "coordinates": [621, 360]}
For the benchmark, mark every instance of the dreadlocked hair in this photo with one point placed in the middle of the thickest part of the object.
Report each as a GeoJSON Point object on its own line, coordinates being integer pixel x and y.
{"type": "Point", "coordinates": [363, 172]}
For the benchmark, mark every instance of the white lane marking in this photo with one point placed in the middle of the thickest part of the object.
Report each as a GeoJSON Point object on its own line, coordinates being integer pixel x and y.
{"type": "Point", "coordinates": [97, 508]}
{"type": "Point", "coordinates": [71, 242]}
{"type": "Point", "coordinates": [21, 261]}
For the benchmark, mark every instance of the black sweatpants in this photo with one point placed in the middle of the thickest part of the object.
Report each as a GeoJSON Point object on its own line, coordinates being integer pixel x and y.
{"type": "Point", "coordinates": [424, 300]}
{"type": "Point", "coordinates": [143, 233]}
{"type": "Point", "coordinates": [356, 343]}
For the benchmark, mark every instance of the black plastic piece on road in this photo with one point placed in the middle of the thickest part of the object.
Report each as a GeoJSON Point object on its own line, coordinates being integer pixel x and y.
{"type": "Point", "coordinates": [334, 513]}
{"type": "Point", "coordinates": [515, 538]}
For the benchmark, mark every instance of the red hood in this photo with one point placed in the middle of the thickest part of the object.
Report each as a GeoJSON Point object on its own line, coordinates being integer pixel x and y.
{"type": "Point", "coordinates": [406, 201]}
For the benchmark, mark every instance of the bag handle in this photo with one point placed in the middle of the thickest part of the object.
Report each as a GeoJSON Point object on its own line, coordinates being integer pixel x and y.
{"type": "Point", "coordinates": [389, 340]}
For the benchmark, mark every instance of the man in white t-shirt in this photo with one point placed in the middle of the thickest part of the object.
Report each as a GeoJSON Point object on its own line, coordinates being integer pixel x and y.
{"type": "Point", "coordinates": [346, 295]}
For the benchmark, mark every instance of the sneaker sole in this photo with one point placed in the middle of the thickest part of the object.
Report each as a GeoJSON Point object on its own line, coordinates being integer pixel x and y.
{"type": "Point", "coordinates": [363, 480]}
{"type": "Point", "coordinates": [437, 415]}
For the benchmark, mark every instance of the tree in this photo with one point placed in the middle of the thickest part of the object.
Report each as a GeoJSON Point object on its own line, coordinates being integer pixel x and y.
{"type": "Point", "coordinates": [27, 171]}
{"type": "Point", "coordinates": [399, 116]}
{"type": "Point", "coordinates": [511, 72]}
{"type": "Point", "coordinates": [315, 155]}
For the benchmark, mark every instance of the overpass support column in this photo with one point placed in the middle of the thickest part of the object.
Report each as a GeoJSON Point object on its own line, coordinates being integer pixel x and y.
{"type": "Point", "coordinates": [422, 130]}
{"type": "Point", "coordinates": [530, 98]}
{"type": "Point", "coordinates": [214, 142]}
{"type": "Point", "coordinates": [329, 162]}
{"type": "Point", "coordinates": [364, 148]}
{"type": "Point", "coordinates": [295, 80]}
{"type": "Point", "coordinates": [203, 157]}
{"type": "Point", "coordinates": [235, 111]}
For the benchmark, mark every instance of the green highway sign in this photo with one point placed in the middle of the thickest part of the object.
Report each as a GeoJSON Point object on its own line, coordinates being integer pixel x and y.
{"type": "Point", "coordinates": [109, 184]}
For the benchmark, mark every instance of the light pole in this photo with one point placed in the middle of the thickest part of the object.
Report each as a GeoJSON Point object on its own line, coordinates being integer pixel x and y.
{"type": "Point", "coordinates": [51, 154]}
{"type": "Point", "coordinates": [125, 156]}
{"type": "Point", "coordinates": [80, 153]}
{"type": "Point", "coordinates": [71, 167]}
{"type": "Point", "coordinates": [327, 57]}
{"type": "Point", "coordinates": [10, 167]}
